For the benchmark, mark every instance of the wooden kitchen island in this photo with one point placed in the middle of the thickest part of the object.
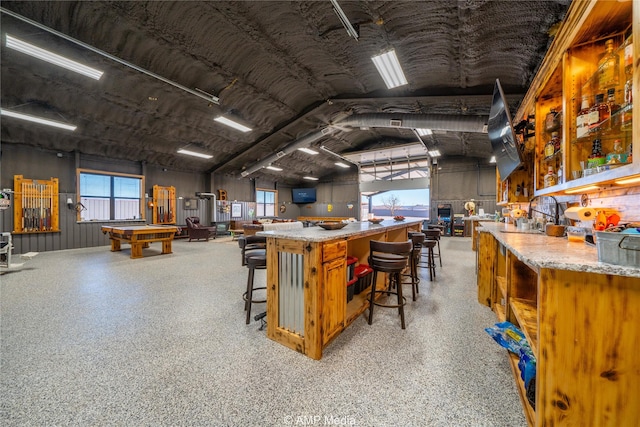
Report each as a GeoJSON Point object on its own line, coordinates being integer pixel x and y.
{"type": "Point", "coordinates": [306, 280]}
{"type": "Point", "coordinates": [581, 318]}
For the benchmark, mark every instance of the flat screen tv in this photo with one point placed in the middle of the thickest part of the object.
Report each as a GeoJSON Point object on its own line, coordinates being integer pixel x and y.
{"type": "Point", "coordinates": [303, 195]}
{"type": "Point", "coordinates": [502, 135]}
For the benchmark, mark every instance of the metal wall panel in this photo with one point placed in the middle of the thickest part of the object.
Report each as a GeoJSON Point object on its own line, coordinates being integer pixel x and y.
{"type": "Point", "coordinates": [291, 292]}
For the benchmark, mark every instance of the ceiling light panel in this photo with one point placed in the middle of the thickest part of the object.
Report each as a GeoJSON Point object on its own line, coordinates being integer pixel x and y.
{"type": "Point", "coordinates": [193, 153]}
{"type": "Point", "coordinates": [424, 132]}
{"type": "Point", "coordinates": [274, 168]}
{"type": "Point", "coordinates": [231, 123]}
{"type": "Point", "coordinates": [390, 69]}
{"type": "Point", "coordinates": [342, 165]}
{"type": "Point", "coordinates": [310, 178]}
{"type": "Point", "coordinates": [308, 150]}
{"type": "Point", "coordinates": [36, 52]}
{"type": "Point", "coordinates": [36, 119]}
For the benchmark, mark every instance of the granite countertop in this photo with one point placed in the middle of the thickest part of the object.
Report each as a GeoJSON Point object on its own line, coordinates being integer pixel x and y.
{"type": "Point", "coordinates": [538, 250]}
{"type": "Point", "coordinates": [352, 229]}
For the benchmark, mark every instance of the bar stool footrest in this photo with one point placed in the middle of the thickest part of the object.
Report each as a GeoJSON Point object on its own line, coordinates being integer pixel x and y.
{"type": "Point", "coordinates": [379, 304]}
{"type": "Point", "coordinates": [254, 301]}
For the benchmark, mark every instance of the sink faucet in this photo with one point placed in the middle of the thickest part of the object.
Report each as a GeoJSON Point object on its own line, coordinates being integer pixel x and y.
{"type": "Point", "coordinates": [556, 217]}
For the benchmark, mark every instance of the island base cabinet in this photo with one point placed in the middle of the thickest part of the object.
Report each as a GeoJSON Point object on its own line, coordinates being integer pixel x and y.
{"type": "Point", "coordinates": [588, 368]}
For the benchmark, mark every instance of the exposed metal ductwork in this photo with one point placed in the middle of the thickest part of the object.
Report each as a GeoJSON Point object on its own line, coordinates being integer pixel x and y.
{"type": "Point", "coordinates": [303, 142]}
{"type": "Point", "coordinates": [476, 124]}
{"type": "Point", "coordinates": [442, 122]}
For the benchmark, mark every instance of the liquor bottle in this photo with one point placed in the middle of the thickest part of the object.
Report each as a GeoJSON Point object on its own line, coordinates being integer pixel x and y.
{"type": "Point", "coordinates": [549, 147]}
{"type": "Point", "coordinates": [582, 119]}
{"type": "Point", "coordinates": [598, 113]}
{"type": "Point", "coordinates": [613, 108]}
{"type": "Point", "coordinates": [625, 119]}
{"type": "Point", "coordinates": [557, 143]}
{"type": "Point", "coordinates": [608, 67]}
{"type": "Point", "coordinates": [596, 157]}
{"type": "Point", "coordinates": [550, 179]}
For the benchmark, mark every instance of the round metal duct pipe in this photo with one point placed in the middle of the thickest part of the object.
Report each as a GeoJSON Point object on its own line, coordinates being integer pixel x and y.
{"type": "Point", "coordinates": [445, 122]}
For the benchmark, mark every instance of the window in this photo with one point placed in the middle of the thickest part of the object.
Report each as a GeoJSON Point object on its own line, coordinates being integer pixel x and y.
{"type": "Point", "coordinates": [107, 197]}
{"type": "Point", "coordinates": [413, 203]}
{"type": "Point", "coordinates": [266, 202]}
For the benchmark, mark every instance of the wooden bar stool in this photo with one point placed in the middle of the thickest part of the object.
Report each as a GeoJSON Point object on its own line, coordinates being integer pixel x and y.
{"type": "Point", "coordinates": [253, 245]}
{"type": "Point", "coordinates": [434, 234]}
{"type": "Point", "coordinates": [417, 239]}
{"type": "Point", "coordinates": [430, 263]}
{"type": "Point", "coordinates": [390, 258]}
{"type": "Point", "coordinates": [254, 262]}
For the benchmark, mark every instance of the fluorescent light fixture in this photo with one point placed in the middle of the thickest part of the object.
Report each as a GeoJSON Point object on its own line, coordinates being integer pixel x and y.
{"type": "Point", "coordinates": [345, 21]}
{"type": "Point", "coordinates": [492, 159]}
{"type": "Point", "coordinates": [342, 165]}
{"type": "Point", "coordinates": [45, 55]}
{"type": "Point", "coordinates": [434, 153]}
{"type": "Point", "coordinates": [35, 119]}
{"type": "Point", "coordinates": [424, 132]}
{"type": "Point", "coordinates": [310, 178]}
{"type": "Point", "coordinates": [274, 168]}
{"type": "Point", "coordinates": [231, 123]}
{"type": "Point", "coordinates": [582, 189]}
{"type": "Point", "coordinates": [308, 150]}
{"type": "Point", "coordinates": [628, 180]}
{"type": "Point", "coordinates": [193, 153]}
{"type": "Point", "coordinates": [390, 70]}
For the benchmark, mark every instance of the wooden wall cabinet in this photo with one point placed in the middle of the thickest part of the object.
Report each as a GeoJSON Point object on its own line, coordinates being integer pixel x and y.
{"type": "Point", "coordinates": [35, 205]}
{"type": "Point", "coordinates": [164, 205]}
{"type": "Point", "coordinates": [573, 72]}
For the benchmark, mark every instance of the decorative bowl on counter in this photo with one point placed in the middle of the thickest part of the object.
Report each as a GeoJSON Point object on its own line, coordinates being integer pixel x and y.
{"type": "Point", "coordinates": [332, 225]}
{"type": "Point", "coordinates": [398, 218]}
{"type": "Point", "coordinates": [376, 220]}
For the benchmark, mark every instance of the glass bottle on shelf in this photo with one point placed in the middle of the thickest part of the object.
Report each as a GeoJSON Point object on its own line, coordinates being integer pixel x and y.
{"type": "Point", "coordinates": [552, 120]}
{"type": "Point", "coordinates": [582, 119]}
{"type": "Point", "coordinates": [608, 67]}
{"type": "Point", "coordinates": [550, 179]}
{"type": "Point", "coordinates": [596, 157]}
{"type": "Point", "coordinates": [613, 108]}
{"type": "Point", "coordinates": [598, 113]}
{"type": "Point", "coordinates": [625, 119]}
{"type": "Point", "coordinates": [550, 147]}
{"type": "Point", "coordinates": [557, 143]}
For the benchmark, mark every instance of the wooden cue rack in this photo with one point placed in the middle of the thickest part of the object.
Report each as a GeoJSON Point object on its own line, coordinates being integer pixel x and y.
{"type": "Point", "coordinates": [164, 205]}
{"type": "Point", "coordinates": [36, 205]}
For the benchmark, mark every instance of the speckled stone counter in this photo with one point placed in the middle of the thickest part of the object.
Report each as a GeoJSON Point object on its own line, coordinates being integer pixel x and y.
{"type": "Point", "coordinates": [351, 230]}
{"type": "Point", "coordinates": [538, 250]}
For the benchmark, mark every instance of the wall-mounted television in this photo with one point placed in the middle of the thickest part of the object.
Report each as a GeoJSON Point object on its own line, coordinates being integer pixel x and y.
{"type": "Point", "coordinates": [502, 135]}
{"type": "Point", "coordinates": [303, 195]}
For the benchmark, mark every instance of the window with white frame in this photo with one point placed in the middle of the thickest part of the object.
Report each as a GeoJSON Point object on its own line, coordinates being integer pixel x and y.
{"type": "Point", "coordinates": [266, 201]}
{"type": "Point", "coordinates": [110, 197]}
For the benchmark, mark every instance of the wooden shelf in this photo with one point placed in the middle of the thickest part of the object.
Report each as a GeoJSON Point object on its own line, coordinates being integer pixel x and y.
{"type": "Point", "coordinates": [529, 412]}
{"type": "Point", "coordinates": [527, 316]}
{"type": "Point", "coordinates": [357, 306]}
{"type": "Point", "coordinates": [500, 312]}
{"type": "Point", "coordinates": [502, 286]}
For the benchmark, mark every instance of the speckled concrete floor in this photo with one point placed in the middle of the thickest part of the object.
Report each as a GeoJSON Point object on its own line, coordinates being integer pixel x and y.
{"type": "Point", "coordinates": [91, 337]}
